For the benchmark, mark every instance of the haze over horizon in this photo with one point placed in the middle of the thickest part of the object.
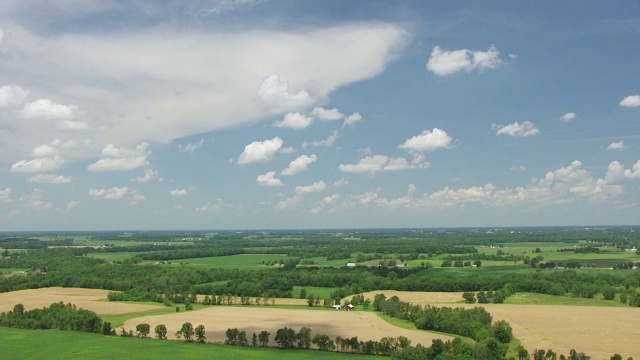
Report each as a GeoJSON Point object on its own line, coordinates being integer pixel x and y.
{"type": "Point", "coordinates": [258, 114]}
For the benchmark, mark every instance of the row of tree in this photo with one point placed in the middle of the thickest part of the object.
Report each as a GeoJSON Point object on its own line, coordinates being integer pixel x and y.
{"type": "Point", "coordinates": [57, 316]}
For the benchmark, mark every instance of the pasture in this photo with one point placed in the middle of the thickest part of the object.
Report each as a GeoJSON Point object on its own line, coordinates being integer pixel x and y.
{"type": "Point", "coordinates": [63, 345]}
{"type": "Point", "coordinates": [243, 261]}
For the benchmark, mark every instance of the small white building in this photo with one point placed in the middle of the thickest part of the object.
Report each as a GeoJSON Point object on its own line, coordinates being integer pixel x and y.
{"type": "Point", "coordinates": [351, 264]}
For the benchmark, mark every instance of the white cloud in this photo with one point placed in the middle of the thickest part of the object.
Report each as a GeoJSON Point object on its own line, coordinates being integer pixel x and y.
{"type": "Point", "coordinates": [46, 109]}
{"type": "Point", "coordinates": [275, 93]}
{"type": "Point", "coordinates": [12, 95]}
{"type": "Point", "coordinates": [5, 194]}
{"type": "Point", "coordinates": [327, 114]}
{"type": "Point", "coordinates": [41, 205]}
{"type": "Point", "coordinates": [341, 182]}
{"type": "Point", "coordinates": [619, 145]}
{"type": "Point", "coordinates": [328, 142]}
{"type": "Point", "coordinates": [44, 150]}
{"type": "Point", "coordinates": [294, 121]}
{"type": "Point", "coordinates": [50, 179]}
{"type": "Point", "coordinates": [38, 164]}
{"type": "Point", "coordinates": [631, 101]}
{"type": "Point", "coordinates": [124, 158]}
{"type": "Point", "coordinates": [116, 193]}
{"type": "Point", "coordinates": [375, 163]}
{"type": "Point", "coordinates": [190, 147]}
{"type": "Point", "coordinates": [148, 176]}
{"type": "Point", "coordinates": [155, 69]}
{"type": "Point", "coordinates": [213, 207]}
{"type": "Point", "coordinates": [315, 187]}
{"type": "Point", "coordinates": [327, 201]}
{"type": "Point", "coordinates": [260, 151]}
{"type": "Point", "coordinates": [447, 62]}
{"type": "Point", "coordinates": [527, 128]}
{"type": "Point", "coordinates": [178, 192]}
{"type": "Point", "coordinates": [428, 141]}
{"type": "Point", "coordinates": [72, 204]}
{"type": "Point", "coordinates": [73, 125]}
{"type": "Point", "coordinates": [352, 119]}
{"type": "Point", "coordinates": [269, 179]}
{"type": "Point", "coordinates": [520, 169]}
{"type": "Point", "coordinates": [568, 116]}
{"type": "Point", "coordinates": [617, 172]}
{"type": "Point", "coordinates": [299, 165]}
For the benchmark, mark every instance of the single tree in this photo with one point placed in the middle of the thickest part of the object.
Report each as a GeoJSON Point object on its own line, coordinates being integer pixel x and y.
{"type": "Point", "coordinates": [303, 338]}
{"type": "Point", "coordinates": [323, 342]}
{"type": "Point", "coordinates": [186, 331]}
{"type": "Point", "coordinates": [242, 338]}
{"type": "Point", "coordinates": [263, 338]}
{"type": "Point", "coordinates": [285, 338]}
{"type": "Point", "coordinates": [254, 340]}
{"type": "Point", "coordinates": [199, 332]}
{"type": "Point", "coordinates": [161, 332]}
{"type": "Point", "coordinates": [142, 330]}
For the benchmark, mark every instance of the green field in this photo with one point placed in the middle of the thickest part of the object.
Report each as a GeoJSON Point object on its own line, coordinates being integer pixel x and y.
{"type": "Point", "coordinates": [248, 261]}
{"type": "Point", "coordinates": [323, 292]}
{"type": "Point", "coordinates": [543, 299]}
{"type": "Point", "coordinates": [63, 345]}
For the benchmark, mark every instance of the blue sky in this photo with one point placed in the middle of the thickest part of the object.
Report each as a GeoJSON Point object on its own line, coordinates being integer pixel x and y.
{"type": "Point", "coordinates": [249, 114]}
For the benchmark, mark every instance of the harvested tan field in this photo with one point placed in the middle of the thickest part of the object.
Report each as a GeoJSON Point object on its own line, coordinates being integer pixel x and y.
{"type": "Point", "coordinates": [89, 299]}
{"type": "Point", "coordinates": [597, 331]}
{"type": "Point", "coordinates": [217, 319]}
{"type": "Point", "coordinates": [417, 297]}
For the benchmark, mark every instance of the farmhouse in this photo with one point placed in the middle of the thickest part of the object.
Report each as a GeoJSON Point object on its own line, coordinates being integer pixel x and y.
{"type": "Point", "coordinates": [337, 307]}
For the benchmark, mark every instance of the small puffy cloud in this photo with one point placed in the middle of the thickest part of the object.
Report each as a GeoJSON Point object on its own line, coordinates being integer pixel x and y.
{"type": "Point", "coordinates": [41, 205]}
{"type": "Point", "coordinates": [631, 101]}
{"type": "Point", "coordinates": [299, 165]}
{"type": "Point", "coordinates": [50, 179]}
{"type": "Point", "coordinates": [212, 206]}
{"type": "Point", "coordinates": [520, 169]}
{"type": "Point", "coordinates": [72, 204]}
{"type": "Point", "coordinates": [5, 194]}
{"type": "Point", "coordinates": [73, 125]}
{"type": "Point", "coordinates": [12, 95]}
{"type": "Point", "coordinates": [428, 141]}
{"type": "Point", "coordinates": [260, 151]}
{"type": "Point", "coordinates": [328, 142]}
{"type": "Point", "coordinates": [341, 182]}
{"type": "Point", "coordinates": [276, 94]}
{"type": "Point", "coordinates": [46, 109]}
{"type": "Point", "coordinates": [116, 193]}
{"type": "Point", "coordinates": [294, 121]}
{"type": "Point", "coordinates": [619, 145]}
{"type": "Point", "coordinates": [327, 114]}
{"type": "Point", "coordinates": [527, 128]}
{"type": "Point", "coordinates": [447, 62]}
{"type": "Point", "coordinates": [38, 164]}
{"type": "Point", "coordinates": [352, 120]}
{"type": "Point", "coordinates": [269, 179]}
{"type": "Point", "coordinates": [616, 172]}
{"type": "Point", "coordinates": [178, 192]}
{"type": "Point", "coordinates": [44, 150]}
{"type": "Point", "coordinates": [191, 147]}
{"type": "Point", "coordinates": [124, 158]}
{"type": "Point", "coordinates": [148, 176]}
{"type": "Point", "coordinates": [315, 187]}
{"type": "Point", "coordinates": [568, 117]}
{"type": "Point", "coordinates": [375, 163]}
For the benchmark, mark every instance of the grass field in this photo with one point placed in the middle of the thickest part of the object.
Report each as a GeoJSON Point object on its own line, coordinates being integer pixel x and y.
{"type": "Point", "coordinates": [323, 292]}
{"type": "Point", "coordinates": [245, 261]}
{"type": "Point", "coordinates": [63, 345]}
{"type": "Point", "coordinates": [543, 299]}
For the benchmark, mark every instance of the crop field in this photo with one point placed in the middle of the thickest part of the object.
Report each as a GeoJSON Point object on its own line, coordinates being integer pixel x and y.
{"type": "Point", "coordinates": [63, 345]}
{"type": "Point", "coordinates": [598, 331]}
{"type": "Point", "coordinates": [89, 299]}
{"type": "Point", "coordinates": [217, 319]}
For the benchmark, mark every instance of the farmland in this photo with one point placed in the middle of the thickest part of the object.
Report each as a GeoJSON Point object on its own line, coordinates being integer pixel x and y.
{"type": "Point", "coordinates": [549, 284]}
